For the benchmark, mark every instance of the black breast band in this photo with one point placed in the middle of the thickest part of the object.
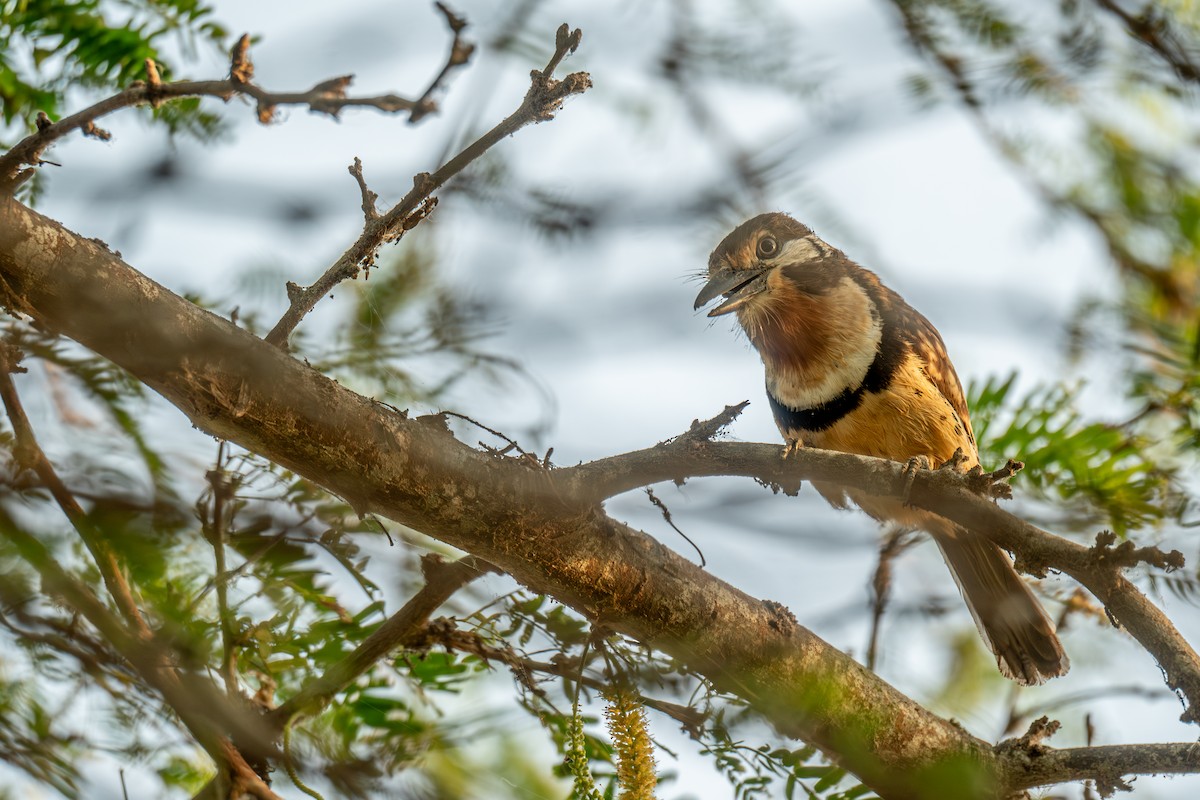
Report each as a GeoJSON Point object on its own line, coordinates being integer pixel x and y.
{"type": "Point", "coordinates": [893, 349]}
{"type": "Point", "coordinates": [819, 417]}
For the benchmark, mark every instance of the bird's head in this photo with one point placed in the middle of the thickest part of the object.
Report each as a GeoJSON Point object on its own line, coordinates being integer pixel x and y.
{"type": "Point", "coordinates": [753, 261]}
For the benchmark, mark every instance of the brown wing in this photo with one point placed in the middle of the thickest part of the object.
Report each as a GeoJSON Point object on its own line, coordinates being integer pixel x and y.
{"type": "Point", "coordinates": [927, 345]}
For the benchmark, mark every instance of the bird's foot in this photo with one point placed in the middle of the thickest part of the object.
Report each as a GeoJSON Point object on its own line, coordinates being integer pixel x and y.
{"type": "Point", "coordinates": [910, 474]}
{"type": "Point", "coordinates": [956, 461]}
{"type": "Point", "coordinates": [994, 484]}
{"type": "Point", "coordinates": [793, 446]}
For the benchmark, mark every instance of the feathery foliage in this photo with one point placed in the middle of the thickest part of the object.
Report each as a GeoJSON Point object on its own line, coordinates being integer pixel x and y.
{"type": "Point", "coordinates": [1105, 474]}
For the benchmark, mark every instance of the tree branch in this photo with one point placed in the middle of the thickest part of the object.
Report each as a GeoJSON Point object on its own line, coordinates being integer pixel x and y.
{"type": "Point", "coordinates": [441, 581]}
{"type": "Point", "coordinates": [460, 54]}
{"type": "Point", "coordinates": [327, 97]}
{"type": "Point", "coordinates": [945, 492]}
{"type": "Point", "coordinates": [203, 711]}
{"type": "Point", "coordinates": [895, 542]}
{"type": "Point", "coordinates": [29, 455]}
{"type": "Point", "coordinates": [544, 98]}
{"type": "Point", "coordinates": [1036, 765]}
{"type": "Point", "coordinates": [545, 527]}
{"type": "Point", "coordinates": [1151, 28]}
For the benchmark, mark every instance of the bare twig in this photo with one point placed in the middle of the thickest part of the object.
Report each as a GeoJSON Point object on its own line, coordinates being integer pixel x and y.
{"type": "Point", "coordinates": [544, 98]}
{"type": "Point", "coordinates": [1127, 554]}
{"type": "Point", "coordinates": [992, 484]}
{"type": "Point", "coordinates": [525, 456]}
{"type": "Point", "coordinates": [460, 54]}
{"type": "Point", "coordinates": [327, 97]}
{"type": "Point", "coordinates": [370, 212]}
{"type": "Point", "coordinates": [706, 430]}
{"type": "Point", "coordinates": [222, 488]}
{"type": "Point", "coordinates": [1039, 731]}
{"type": "Point", "coordinates": [666, 512]}
{"type": "Point", "coordinates": [896, 542]}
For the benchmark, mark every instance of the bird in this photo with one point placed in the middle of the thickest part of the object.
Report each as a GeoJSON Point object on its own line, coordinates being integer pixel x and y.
{"type": "Point", "coordinates": [850, 366]}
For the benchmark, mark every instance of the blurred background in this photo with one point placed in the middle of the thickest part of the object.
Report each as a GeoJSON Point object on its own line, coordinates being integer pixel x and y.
{"type": "Point", "coordinates": [1023, 173]}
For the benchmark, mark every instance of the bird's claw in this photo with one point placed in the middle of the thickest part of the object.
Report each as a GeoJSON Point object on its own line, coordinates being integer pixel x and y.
{"type": "Point", "coordinates": [956, 461]}
{"type": "Point", "coordinates": [910, 473]}
{"type": "Point", "coordinates": [793, 446]}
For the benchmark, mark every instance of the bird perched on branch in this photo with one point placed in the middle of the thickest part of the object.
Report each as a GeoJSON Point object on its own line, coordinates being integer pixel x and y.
{"type": "Point", "coordinates": [852, 367]}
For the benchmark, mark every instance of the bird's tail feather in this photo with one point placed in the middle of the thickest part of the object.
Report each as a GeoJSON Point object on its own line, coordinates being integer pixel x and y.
{"type": "Point", "coordinates": [1012, 622]}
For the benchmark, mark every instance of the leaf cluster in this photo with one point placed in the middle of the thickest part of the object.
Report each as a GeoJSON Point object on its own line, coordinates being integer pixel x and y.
{"type": "Point", "coordinates": [89, 43]}
{"type": "Point", "coordinates": [757, 770]}
{"type": "Point", "coordinates": [1105, 473]}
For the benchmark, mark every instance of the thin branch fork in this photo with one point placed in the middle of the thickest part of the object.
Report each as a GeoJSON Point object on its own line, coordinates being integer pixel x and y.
{"type": "Point", "coordinates": [327, 97]}
{"type": "Point", "coordinates": [544, 97]}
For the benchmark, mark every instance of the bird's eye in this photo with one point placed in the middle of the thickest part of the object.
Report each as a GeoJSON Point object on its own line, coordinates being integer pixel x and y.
{"type": "Point", "coordinates": [768, 247]}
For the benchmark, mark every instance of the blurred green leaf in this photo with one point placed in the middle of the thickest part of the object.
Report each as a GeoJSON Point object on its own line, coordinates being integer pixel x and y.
{"type": "Point", "coordinates": [1103, 471]}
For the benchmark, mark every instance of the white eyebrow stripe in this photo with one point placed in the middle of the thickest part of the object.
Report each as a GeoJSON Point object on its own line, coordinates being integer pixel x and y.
{"type": "Point", "coordinates": [806, 248]}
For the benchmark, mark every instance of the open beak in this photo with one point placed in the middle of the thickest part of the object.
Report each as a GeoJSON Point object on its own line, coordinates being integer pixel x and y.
{"type": "Point", "coordinates": [737, 285]}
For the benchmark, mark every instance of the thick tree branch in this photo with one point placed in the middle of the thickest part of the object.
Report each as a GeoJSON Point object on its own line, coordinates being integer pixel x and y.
{"type": "Point", "coordinates": [1107, 765]}
{"type": "Point", "coordinates": [235, 386]}
{"type": "Point", "coordinates": [545, 527]}
{"type": "Point", "coordinates": [544, 98]}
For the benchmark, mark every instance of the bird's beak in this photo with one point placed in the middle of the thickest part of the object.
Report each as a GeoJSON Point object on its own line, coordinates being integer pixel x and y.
{"type": "Point", "coordinates": [737, 285]}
